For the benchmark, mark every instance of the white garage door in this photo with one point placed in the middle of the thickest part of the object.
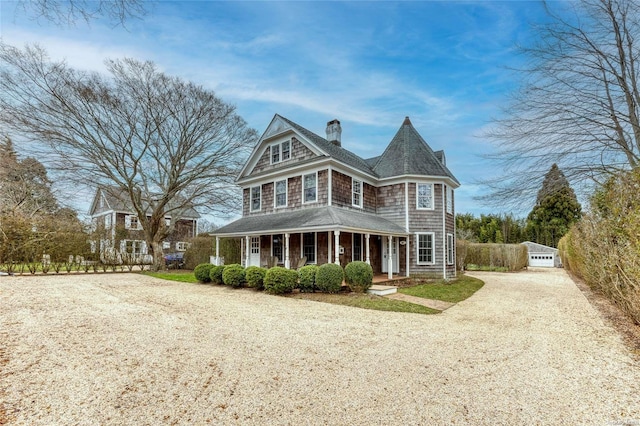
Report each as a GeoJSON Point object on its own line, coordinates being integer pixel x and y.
{"type": "Point", "coordinates": [544, 260]}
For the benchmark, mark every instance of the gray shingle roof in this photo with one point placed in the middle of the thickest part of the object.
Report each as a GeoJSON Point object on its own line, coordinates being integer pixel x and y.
{"type": "Point", "coordinates": [409, 154]}
{"type": "Point", "coordinates": [311, 219]}
{"type": "Point", "coordinates": [333, 150]}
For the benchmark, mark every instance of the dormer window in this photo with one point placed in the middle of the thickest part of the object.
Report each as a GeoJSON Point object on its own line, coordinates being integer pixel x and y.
{"type": "Point", "coordinates": [280, 152]}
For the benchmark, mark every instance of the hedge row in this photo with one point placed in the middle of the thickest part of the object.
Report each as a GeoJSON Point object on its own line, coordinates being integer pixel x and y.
{"type": "Point", "coordinates": [603, 248]}
{"type": "Point", "coordinates": [512, 257]}
{"type": "Point", "coordinates": [278, 280]}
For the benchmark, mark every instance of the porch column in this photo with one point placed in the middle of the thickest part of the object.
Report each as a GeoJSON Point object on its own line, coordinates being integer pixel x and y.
{"type": "Point", "coordinates": [329, 249]}
{"type": "Point", "coordinates": [217, 251]}
{"type": "Point", "coordinates": [287, 262]}
{"type": "Point", "coordinates": [247, 251]}
{"type": "Point", "coordinates": [366, 244]}
{"type": "Point", "coordinates": [406, 251]}
{"type": "Point", "coordinates": [337, 246]}
{"type": "Point", "coordinates": [390, 257]}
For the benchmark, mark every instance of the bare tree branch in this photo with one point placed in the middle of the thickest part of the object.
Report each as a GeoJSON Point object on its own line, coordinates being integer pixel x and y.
{"type": "Point", "coordinates": [170, 145]}
{"type": "Point", "coordinates": [577, 104]}
{"type": "Point", "coordinates": [69, 12]}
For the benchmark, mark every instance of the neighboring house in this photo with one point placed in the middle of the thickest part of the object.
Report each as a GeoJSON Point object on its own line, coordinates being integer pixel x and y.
{"type": "Point", "coordinates": [120, 230]}
{"type": "Point", "coordinates": [305, 196]}
{"type": "Point", "coordinates": [543, 256]}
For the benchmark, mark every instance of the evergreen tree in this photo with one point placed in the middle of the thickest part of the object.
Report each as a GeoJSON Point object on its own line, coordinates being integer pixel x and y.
{"type": "Point", "coordinates": [556, 209]}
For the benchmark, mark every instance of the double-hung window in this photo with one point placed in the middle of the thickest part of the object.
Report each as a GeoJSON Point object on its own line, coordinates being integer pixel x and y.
{"type": "Point", "coordinates": [280, 152]}
{"type": "Point", "coordinates": [424, 196]}
{"type": "Point", "coordinates": [449, 196]}
{"type": "Point", "coordinates": [286, 150]}
{"type": "Point", "coordinates": [281, 193]}
{"type": "Point", "coordinates": [424, 247]}
{"type": "Point", "coordinates": [132, 222]}
{"type": "Point", "coordinates": [310, 188]}
{"type": "Point", "coordinates": [449, 249]}
{"type": "Point", "coordinates": [256, 198]}
{"type": "Point", "coordinates": [275, 154]}
{"type": "Point", "coordinates": [356, 192]}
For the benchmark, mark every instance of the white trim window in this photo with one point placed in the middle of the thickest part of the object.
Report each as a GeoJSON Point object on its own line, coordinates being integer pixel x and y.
{"type": "Point", "coordinates": [133, 247]}
{"type": "Point", "coordinates": [309, 247]}
{"type": "Point", "coordinates": [280, 152]}
{"type": "Point", "coordinates": [131, 222]}
{"type": "Point", "coordinates": [450, 247]}
{"type": "Point", "coordinates": [425, 248]}
{"type": "Point", "coordinates": [166, 245]}
{"type": "Point", "coordinates": [356, 192]}
{"type": "Point", "coordinates": [107, 221]}
{"type": "Point", "coordinates": [424, 196]}
{"type": "Point", "coordinates": [280, 196]}
{"type": "Point", "coordinates": [310, 188]}
{"type": "Point", "coordinates": [256, 198]}
{"type": "Point", "coordinates": [449, 197]}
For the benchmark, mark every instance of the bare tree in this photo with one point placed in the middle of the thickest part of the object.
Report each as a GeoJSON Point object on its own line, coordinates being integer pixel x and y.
{"type": "Point", "coordinates": [169, 145]}
{"type": "Point", "coordinates": [69, 12]}
{"type": "Point", "coordinates": [578, 104]}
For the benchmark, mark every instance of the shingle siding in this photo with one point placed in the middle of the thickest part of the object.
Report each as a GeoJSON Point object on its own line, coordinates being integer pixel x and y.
{"type": "Point", "coordinates": [391, 203]}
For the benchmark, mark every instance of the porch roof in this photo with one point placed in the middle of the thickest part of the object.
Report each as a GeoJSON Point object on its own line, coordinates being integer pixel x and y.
{"type": "Point", "coordinates": [311, 220]}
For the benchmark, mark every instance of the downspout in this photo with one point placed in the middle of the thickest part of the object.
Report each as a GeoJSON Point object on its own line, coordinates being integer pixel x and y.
{"type": "Point", "coordinates": [444, 235]}
{"type": "Point", "coordinates": [406, 225]}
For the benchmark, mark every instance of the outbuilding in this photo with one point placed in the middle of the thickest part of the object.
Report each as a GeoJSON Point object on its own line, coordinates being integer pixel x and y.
{"type": "Point", "coordinates": [541, 256]}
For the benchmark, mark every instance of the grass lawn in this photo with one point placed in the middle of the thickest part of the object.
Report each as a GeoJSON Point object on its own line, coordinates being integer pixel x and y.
{"type": "Point", "coordinates": [453, 291]}
{"type": "Point", "coordinates": [181, 275]}
{"type": "Point", "coordinates": [366, 301]}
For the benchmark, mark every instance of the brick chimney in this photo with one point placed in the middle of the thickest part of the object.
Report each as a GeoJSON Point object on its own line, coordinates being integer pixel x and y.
{"type": "Point", "coordinates": [334, 132]}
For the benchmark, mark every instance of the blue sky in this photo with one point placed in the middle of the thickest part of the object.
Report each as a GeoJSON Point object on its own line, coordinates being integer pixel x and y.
{"type": "Point", "coordinates": [368, 64]}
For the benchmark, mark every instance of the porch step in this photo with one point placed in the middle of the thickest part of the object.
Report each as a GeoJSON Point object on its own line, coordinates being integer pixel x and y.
{"type": "Point", "coordinates": [382, 290]}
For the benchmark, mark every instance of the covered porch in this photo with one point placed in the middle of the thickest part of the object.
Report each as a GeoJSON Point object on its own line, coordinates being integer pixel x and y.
{"type": "Point", "coordinates": [321, 235]}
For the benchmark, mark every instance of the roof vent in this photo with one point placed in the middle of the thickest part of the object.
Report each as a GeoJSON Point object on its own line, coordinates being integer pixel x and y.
{"type": "Point", "coordinates": [334, 132]}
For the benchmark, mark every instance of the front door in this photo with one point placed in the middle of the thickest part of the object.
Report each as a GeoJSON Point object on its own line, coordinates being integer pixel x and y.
{"type": "Point", "coordinates": [254, 253]}
{"type": "Point", "coordinates": [394, 255]}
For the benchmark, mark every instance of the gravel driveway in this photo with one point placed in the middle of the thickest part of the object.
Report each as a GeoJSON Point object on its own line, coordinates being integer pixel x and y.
{"type": "Point", "coordinates": [106, 349]}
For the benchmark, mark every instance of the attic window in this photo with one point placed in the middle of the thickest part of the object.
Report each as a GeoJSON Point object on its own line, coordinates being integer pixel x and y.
{"type": "Point", "coordinates": [280, 152]}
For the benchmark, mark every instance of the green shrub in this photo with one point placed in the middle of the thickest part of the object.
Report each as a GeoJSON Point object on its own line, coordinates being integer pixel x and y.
{"type": "Point", "coordinates": [359, 276]}
{"type": "Point", "coordinates": [233, 275]}
{"type": "Point", "coordinates": [254, 275]}
{"type": "Point", "coordinates": [307, 275]}
{"type": "Point", "coordinates": [216, 274]}
{"type": "Point", "coordinates": [280, 280]}
{"type": "Point", "coordinates": [329, 278]}
{"type": "Point", "coordinates": [202, 272]}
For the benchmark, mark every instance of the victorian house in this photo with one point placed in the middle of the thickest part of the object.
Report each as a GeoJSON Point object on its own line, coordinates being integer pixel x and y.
{"type": "Point", "coordinates": [306, 199]}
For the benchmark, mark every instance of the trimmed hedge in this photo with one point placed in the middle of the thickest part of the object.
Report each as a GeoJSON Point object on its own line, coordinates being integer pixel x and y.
{"type": "Point", "coordinates": [279, 280]}
{"type": "Point", "coordinates": [254, 275]}
{"type": "Point", "coordinates": [359, 276]}
{"type": "Point", "coordinates": [202, 272]}
{"type": "Point", "coordinates": [329, 278]}
{"type": "Point", "coordinates": [512, 257]}
{"type": "Point", "coordinates": [216, 274]}
{"type": "Point", "coordinates": [308, 278]}
{"type": "Point", "coordinates": [234, 275]}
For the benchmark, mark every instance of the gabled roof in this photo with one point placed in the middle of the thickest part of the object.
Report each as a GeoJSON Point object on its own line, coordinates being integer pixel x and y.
{"type": "Point", "coordinates": [332, 150]}
{"type": "Point", "coordinates": [409, 154]}
{"type": "Point", "coordinates": [117, 201]}
{"type": "Point", "coordinates": [311, 219]}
